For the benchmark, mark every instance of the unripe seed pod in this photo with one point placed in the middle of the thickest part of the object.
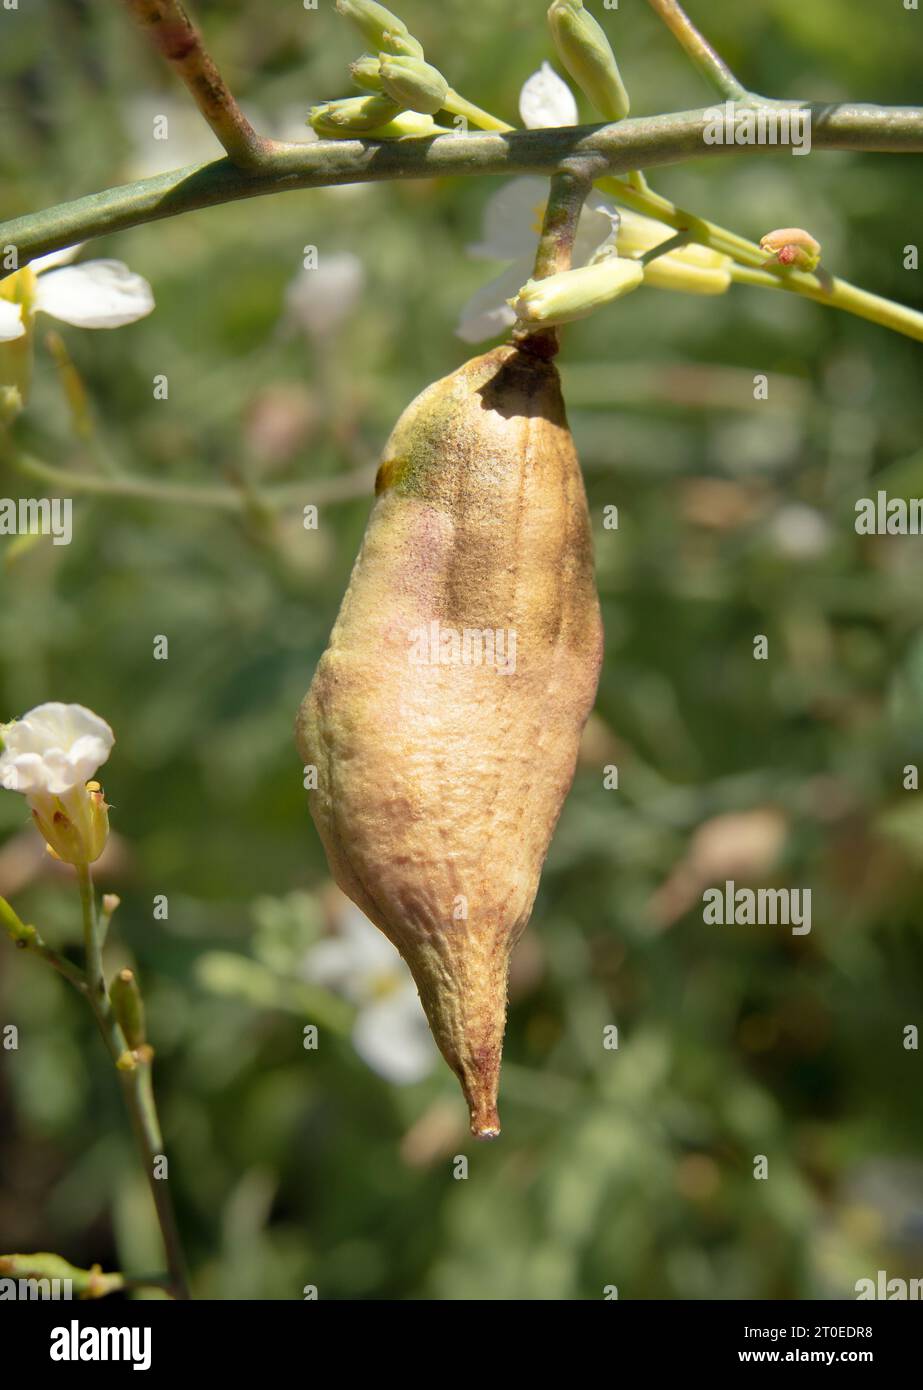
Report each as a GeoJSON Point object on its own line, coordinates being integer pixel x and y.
{"type": "Point", "coordinates": [445, 715]}
{"type": "Point", "coordinates": [414, 84]}
{"type": "Point", "coordinates": [587, 55]}
{"type": "Point", "coordinates": [128, 1007]}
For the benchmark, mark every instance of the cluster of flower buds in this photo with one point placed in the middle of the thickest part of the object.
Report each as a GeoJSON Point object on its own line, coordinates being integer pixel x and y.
{"type": "Point", "coordinates": [405, 92]}
{"type": "Point", "coordinates": [617, 268]}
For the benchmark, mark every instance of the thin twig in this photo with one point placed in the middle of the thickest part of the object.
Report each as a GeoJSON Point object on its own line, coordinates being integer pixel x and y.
{"type": "Point", "coordinates": [25, 937]}
{"type": "Point", "coordinates": [318, 491]}
{"type": "Point", "coordinates": [838, 294]}
{"type": "Point", "coordinates": [58, 962]}
{"type": "Point", "coordinates": [136, 1086]}
{"type": "Point", "coordinates": [699, 49]}
{"type": "Point", "coordinates": [174, 36]}
{"type": "Point", "coordinates": [675, 243]}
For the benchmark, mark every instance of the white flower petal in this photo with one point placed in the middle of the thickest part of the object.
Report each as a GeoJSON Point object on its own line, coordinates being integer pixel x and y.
{"type": "Point", "coordinates": [392, 1037]}
{"type": "Point", "coordinates": [97, 294]}
{"type": "Point", "coordinates": [54, 748]}
{"type": "Point", "coordinates": [56, 258]}
{"type": "Point", "coordinates": [596, 231]}
{"type": "Point", "coordinates": [512, 220]}
{"type": "Point", "coordinates": [487, 313]}
{"type": "Point", "coordinates": [24, 773]}
{"type": "Point", "coordinates": [546, 100]}
{"type": "Point", "coordinates": [11, 324]}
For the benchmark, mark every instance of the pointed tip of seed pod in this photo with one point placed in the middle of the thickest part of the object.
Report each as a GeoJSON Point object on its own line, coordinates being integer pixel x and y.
{"type": "Point", "coordinates": [485, 1119]}
{"type": "Point", "coordinates": [486, 1130]}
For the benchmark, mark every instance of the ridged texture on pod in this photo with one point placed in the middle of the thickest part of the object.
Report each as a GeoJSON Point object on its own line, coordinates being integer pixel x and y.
{"type": "Point", "coordinates": [439, 784]}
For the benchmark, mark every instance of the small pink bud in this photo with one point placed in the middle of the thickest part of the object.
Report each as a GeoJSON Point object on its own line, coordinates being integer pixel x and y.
{"type": "Point", "coordinates": [792, 246]}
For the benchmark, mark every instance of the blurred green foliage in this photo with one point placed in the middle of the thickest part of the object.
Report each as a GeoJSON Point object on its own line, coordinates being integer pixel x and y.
{"type": "Point", "coordinates": [630, 1167]}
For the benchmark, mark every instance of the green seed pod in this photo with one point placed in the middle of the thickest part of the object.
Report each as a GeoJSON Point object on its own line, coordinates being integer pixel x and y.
{"type": "Point", "coordinates": [414, 84]}
{"type": "Point", "coordinates": [128, 1007]}
{"type": "Point", "coordinates": [340, 120]}
{"type": "Point", "coordinates": [445, 715]}
{"type": "Point", "coordinates": [587, 55]}
{"type": "Point", "coordinates": [381, 29]}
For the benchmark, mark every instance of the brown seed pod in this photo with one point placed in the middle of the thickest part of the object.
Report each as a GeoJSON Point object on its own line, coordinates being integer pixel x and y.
{"type": "Point", "coordinates": [445, 715]}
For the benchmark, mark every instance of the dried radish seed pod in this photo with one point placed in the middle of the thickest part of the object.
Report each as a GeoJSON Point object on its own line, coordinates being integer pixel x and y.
{"type": "Point", "coordinates": [445, 715]}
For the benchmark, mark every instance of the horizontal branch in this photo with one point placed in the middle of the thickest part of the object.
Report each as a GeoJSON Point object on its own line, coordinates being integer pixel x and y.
{"type": "Point", "coordinates": [607, 149]}
{"type": "Point", "coordinates": [320, 492]}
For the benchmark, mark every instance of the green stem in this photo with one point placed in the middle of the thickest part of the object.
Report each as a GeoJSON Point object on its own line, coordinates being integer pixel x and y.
{"type": "Point", "coordinates": [566, 197]}
{"type": "Point", "coordinates": [675, 243]}
{"type": "Point", "coordinates": [709, 63]}
{"type": "Point", "coordinates": [699, 229]}
{"type": "Point", "coordinates": [95, 980]}
{"type": "Point", "coordinates": [135, 1079]}
{"type": "Point", "coordinates": [138, 1090]}
{"type": "Point", "coordinates": [457, 105]}
{"type": "Point", "coordinates": [838, 294]}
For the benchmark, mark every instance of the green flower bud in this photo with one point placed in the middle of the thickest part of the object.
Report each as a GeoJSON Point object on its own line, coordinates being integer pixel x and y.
{"type": "Point", "coordinates": [340, 120]}
{"type": "Point", "coordinates": [380, 28]}
{"type": "Point", "coordinates": [694, 269]}
{"type": "Point", "coordinates": [414, 84]}
{"type": "Point", "coordinates": [409, 124]}
{"type": "Point", "coordinates": [365, 72]}
{"type": "Point", "coordinates": [128, 1007]}
{"type": "Point", "coordinates": [572, 294]}
{"type": "Point", "coordinates": [586, 54]}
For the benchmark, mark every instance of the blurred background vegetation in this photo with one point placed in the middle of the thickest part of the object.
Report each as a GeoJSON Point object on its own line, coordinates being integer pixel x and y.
{"type": "Point", "coordinates": [630, 1167]}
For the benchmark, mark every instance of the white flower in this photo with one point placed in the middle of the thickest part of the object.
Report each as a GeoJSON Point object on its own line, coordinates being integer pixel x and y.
{"type": "Point", "coordinates": [49, 756]}
{"type": "Point", "coordinates": [97, 294]}
{"type": "Point", "coordinates": [545, 100]}
{"type": "Point", "coordinates": [390, 1033]}
{"type": "Point", "coordinates": [319, 300]}
{"type": "Point", "coordinates": [513, 221]}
